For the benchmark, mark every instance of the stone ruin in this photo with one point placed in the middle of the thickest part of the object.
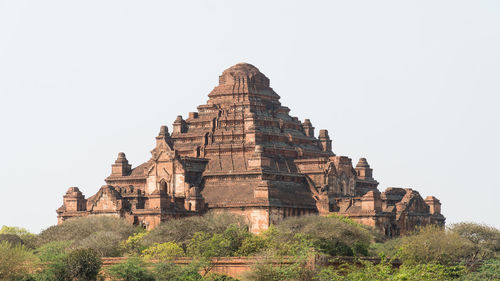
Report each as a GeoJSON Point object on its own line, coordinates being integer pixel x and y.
{"type": "Point", "coordinates": [243, 153]}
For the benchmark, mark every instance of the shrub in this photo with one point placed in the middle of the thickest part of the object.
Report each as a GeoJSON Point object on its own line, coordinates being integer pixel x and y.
{"type": "Point", "coordinates": [433, 244]}
{"type": "Point", "coordinates": [53, 251]}
{"type": "Point", "coordinates": [163, 252]}
{"type": "Point", "coordinates": [385, 271]}
{"type": "Point", "coordinates": [485, 238]}
{"type": "Point", "coordinates": [134, 245]}
{"type": "Point", "coordinates": [173, 272]}
{"type": "Point", "coordinates": [329, 235]}
{"type": "Point", "coordinates": [28, 238]}
{"type": "Point", "coordinates": [11, 238]}
{"type": "Point", "coordinates": [104, 243]}
{"type": "Point", "coordinates": [82, 265]}
{"type": "Point", "coordinates": [134, 269]}
{"type": "Point", "coordinates": [252, 244]}
{"type": "Point", "coordinates": [101, 233]}
{"type": "Point", "coordinates": [182, 230]}
{"type": "Point", "coordinates": [16, 261]}
{"type": "Point", "coordinates": [207, 245]}
{"type": "Point", "coordinates": [489, 270]}
{"type": "Point", "coordinates": [218, 277]}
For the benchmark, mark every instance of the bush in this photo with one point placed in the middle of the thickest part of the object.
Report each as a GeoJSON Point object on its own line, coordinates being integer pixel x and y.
{"type": "Point", "coordinates": [485, 238]}
{"type": "Point", "coordinates": [489, 270]}
{"type": "Point", "coordinates": [163, 252]}
{"type": "Point", "coordinates": [82, 265]}
{"type": "Point", "coordinates": [134, 269]}
{"type": "Point", "coordinates": [101, 233]}
{"type": "Point", "coordinates": [433, 244]}
{"type": "Point", "coordinates": [53, 251]}
{"type": "Point", "coordinates": [329, 235]}
{"type": "Point", "coordinates": [173, 272]}
{"type": "Point", "coordinates": [252, 244]}
{"type": "Point", "coordinates": [218, 277]}
{"type": "Point", "coordinates": [28, 238]}
{"type": "Point", "coordinates": [11, 238]}
{"type": "Point", "coordinates": [104, 243]}
{"type": "Point", "coordinates": [133, 245]}
{"type": "Point", "coordinates": [385, 271]}
{"type": "Point", "coordinates": [182, 230]}
{"type": "Point", "coordinates": [16, 261]}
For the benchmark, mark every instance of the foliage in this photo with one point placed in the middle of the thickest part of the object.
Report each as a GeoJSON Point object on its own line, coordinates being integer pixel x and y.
{"type": "Point", "coordinates": [104, 243]}
{"type": "Point", "coordinates": [252, 244]}
{"type": "Point", "coordinates": [173, 272]}
{"type": "Point", "coordinates": [485, 238]}
{"type": "Point", "coordinates": [275, 269]}
{"type": "Point", "coordinates": [101, 233]}
{"type": "Point", "coordinates": [182, 230]}
{"type": "Point", "coordinates": [16, 261]}
{"type": "Point", "coordinates": [224, 244]}
{"type": "Point", "coordinates": [26, 236]}
{"type": "Point", "coordinates": [329, 235]}
{"type": "Point", "coordinates": [53, 251]}
{"type": "Point", "coordinates": [385, 271]}
{"type": "Point", "coordinates": [489, 270]}
{"type": "Point", "coordinates": [134, 269]}
{"type": "Point", "coordinates": [11, 238]}
{"type": "Point", "coordinates": [430, 244]}
{"type": "Point", "coordinates": [163, 252]}
{"type": "Point", "coordinates": [206, 245]}
{"type": "Point", "coordinates": [218, 277]}
{"type": "Point", "coordinates": [82, 265]}
{"type": "Point", "coordinates": [133, 245]}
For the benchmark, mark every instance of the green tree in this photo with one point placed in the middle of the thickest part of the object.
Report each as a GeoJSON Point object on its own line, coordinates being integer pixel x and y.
{"type": "Point", "coordinates": [134, 244]}
{"type": "Point", "coordinates": [429, 244]}
{"type": "Point", "coordinates": [16, 261]}
{"type": "Point", "coordinates": [485, 238]}
{"type": "Point", "coordinates": [27, 237]}
{"type": "Point", "coordinates": [489, 270]}
{"type": "Point", "coordinates": [83, 265]}
{"type": "Point", "coordinates": [172, 272]}
{"type": "Point", "coordinates": [163, 252]}
{"type": "Point", "coordinates": [103, 234]}
{"type": "Point", "coordinates": [182, 230]}
{"type": "Point", "coordinates": [134, 269]}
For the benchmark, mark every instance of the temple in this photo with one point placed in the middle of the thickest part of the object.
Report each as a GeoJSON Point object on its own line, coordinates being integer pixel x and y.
{"type": "Point", "coordinates": [242, 152]}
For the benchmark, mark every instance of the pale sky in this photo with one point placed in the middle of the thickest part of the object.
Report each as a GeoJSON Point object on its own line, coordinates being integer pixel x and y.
{"type": "Point", "coordinates": [413, 86]}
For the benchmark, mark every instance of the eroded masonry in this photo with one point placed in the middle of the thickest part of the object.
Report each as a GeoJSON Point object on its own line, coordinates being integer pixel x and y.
{"type": "Point", "coordinates": [242, 152]}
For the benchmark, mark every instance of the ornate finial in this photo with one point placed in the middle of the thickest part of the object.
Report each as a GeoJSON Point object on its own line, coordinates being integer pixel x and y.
{"type": "Point", "coordinates": [362, 163]}
{"type": "Point", "coordinates": [121, 158]}
{"type": "Point", "coordinates": [163, 131]}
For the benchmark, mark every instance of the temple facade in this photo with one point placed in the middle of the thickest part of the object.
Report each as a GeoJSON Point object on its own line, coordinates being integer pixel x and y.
{"type": "Point", "coordinates": [242, 152]}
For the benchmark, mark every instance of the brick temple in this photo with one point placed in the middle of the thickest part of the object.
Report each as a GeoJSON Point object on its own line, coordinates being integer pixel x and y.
{"type": "Point", "coordinates": [242, 152]}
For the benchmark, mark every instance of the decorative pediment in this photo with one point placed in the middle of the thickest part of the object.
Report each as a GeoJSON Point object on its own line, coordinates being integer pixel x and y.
{"type": "Point", "coordinates": [107, 199]}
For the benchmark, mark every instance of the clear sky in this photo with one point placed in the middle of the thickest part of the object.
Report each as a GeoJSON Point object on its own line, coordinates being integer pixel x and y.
{"type": "Point", "coordinates": [413, 86]}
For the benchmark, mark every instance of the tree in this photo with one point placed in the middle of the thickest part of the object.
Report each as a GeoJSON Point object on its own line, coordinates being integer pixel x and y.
{"type": "Point", "coordinates": [83, 265]}
{"type": "Point", "coordinates": [163, 252]}
{"type": "Point", "coordinates": [329, 235]}
{"type": "Point", "coordinates": [182, 230]}
{"type": "Point", "coordinates": [489, 270]}
{"type": "Point", "coordinates": [432, 244]}
{"type": "Point", "coordinates": [16, 261]}
{"type": "Point", "coordinates": [26, 236]}
{"type": "Point", "coordinates": [103, 234]}
{"type": "Point", "coordinates": [134, 269]}
{"type": "Point", "coordinates": [485, 238]}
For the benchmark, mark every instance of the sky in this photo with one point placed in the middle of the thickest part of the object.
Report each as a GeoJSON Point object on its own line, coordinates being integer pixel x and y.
{"type": "Point", "coordinates": [413, 86]}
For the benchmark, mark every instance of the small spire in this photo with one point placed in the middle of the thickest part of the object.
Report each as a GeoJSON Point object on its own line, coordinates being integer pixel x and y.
{"type": "Point", "coordinates": [163, 131]}
{"type": "Point", "coordinates": [122, 159]}
{"type": "Point", "coordinates": [362, 163]}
